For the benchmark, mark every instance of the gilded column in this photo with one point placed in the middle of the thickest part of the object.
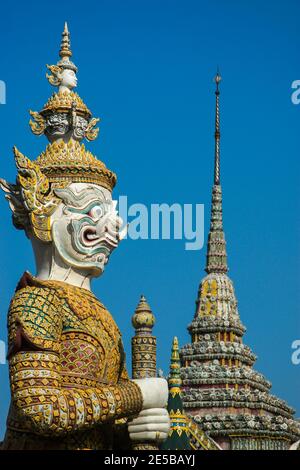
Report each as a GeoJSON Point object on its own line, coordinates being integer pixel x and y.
{"type": "Point", "coordinates": [143, 343]}
{"type": "Point", "coordinates": [143, 347]}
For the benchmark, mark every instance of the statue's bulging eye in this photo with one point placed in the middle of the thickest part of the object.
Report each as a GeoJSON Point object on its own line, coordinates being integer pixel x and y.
{"type": "Point", "coordinates": [96, 212]}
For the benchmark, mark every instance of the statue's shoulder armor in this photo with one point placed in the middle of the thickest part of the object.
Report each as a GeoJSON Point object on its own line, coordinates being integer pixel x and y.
{"type": "Point", "coordinates": [89, 314]}
{"type": "Point", "coordinates": [35, 317]}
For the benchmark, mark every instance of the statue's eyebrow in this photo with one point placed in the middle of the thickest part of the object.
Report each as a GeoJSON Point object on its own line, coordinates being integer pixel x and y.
{"type": "Point", "coordinates": [81, 198]}
{"type": "Point", "coordinates": [86, 208]}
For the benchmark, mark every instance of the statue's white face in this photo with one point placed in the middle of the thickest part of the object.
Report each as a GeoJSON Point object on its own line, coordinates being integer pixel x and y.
{"type": "Point", "coordinates": [85, 226]}
{"type": "Point", "coordinates": [68, 79]}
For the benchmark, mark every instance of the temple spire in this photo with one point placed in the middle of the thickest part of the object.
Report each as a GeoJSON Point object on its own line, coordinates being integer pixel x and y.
{"type": "Point", "coordinates": [216, 260]}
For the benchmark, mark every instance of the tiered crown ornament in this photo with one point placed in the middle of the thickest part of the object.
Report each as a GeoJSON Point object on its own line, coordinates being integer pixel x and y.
{"type": "Point", "coordinates": [64, 115]}
{"type": "Point", "coordinates": [65, 120]}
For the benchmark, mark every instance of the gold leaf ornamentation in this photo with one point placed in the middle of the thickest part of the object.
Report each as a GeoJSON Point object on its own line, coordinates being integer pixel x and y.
{"type": "Point", "coordinates": [53, 77]}
{"type": "Point", "coordinates": [70, 162]}
{"type": "Point", "coordinates": [91, 133]}
{"type": "Point", "coordinates": [63, 101]}
{"type": "Point", "coordinates": [36, 194]}
{"type": "Point", "coordinates": [38, 125]}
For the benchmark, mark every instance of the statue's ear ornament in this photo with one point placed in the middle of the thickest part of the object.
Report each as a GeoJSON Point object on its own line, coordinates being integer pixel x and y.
{"type": "Point", "coordinates": [38, 125]}
{"type": "Point", "coordinates": [91, 132]}
{"type": "Point", "coordinates": [14, 198]}
{"type": "Point", "coordinates": [31, 198]}
{"type": "Point", "coordinates": [54, 77]}
{"type": "Point", "coordinates": [34, 186]}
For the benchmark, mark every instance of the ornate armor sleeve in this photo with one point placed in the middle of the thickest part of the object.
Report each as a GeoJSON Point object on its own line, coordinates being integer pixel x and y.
{"type": "Point", "coordinates": [35, 374]}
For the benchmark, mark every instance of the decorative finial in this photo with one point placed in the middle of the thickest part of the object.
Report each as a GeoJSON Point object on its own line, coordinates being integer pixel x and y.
{"type": "Point", "coordinates": [143, 316]}
{"type": "Point", "coordinates": [218, 79]}
{"type": "Point", "coordinates": [174, 378]}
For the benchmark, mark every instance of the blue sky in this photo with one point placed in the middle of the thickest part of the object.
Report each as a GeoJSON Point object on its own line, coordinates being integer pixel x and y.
{"type": "Point", "coordinates": [146, 68]}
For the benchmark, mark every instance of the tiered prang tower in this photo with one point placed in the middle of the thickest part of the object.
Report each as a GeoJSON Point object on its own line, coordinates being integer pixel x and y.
{"type": "Point", "coordinates": [226, 397]}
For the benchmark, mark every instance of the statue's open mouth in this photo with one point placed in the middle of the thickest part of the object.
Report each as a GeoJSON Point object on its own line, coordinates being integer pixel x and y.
{"type": "Point", "coordinates": [90, 236]}
{"type": "Point", "coordinates": [107, 236]}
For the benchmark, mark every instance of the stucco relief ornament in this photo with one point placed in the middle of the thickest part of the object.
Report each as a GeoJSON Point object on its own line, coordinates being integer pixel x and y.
{"type": "Point", "coordinates": [69, 384]}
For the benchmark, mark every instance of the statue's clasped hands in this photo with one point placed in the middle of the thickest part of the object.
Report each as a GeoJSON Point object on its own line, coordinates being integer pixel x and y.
{"type": "Point", "coordinates": [153, 422]}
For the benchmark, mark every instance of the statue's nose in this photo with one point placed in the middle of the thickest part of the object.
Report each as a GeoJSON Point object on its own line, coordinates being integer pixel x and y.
{"type": "Point", "coordinates": [110, 221]}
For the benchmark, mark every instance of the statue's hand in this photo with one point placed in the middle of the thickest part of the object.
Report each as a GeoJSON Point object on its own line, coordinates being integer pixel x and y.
{"type": "Point", "coordinates": [150, 425]}
{"type": "Point", "coordinates": [153, 422]}
{"type": "Point", "coordinates": [155, 392]}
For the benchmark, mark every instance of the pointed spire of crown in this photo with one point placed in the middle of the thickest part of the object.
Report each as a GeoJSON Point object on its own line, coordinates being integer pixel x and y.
{"type": "Point", "coordinates": [65, 51]}
{"type": "Point", "coordinates": [65, 48]}
{"type": "Point", "coordinates": [216, 259]}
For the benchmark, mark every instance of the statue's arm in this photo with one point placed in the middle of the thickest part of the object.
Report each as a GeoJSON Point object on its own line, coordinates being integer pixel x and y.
{"type": "Point", "coordinates": [35, 376]}
{"type": "Point", "coordinates": [38, 396]}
